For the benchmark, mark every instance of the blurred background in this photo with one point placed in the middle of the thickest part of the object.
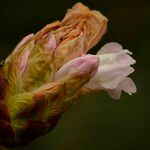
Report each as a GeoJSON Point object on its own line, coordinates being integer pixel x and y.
{"type": "Point", "coordinates": [95, 122]}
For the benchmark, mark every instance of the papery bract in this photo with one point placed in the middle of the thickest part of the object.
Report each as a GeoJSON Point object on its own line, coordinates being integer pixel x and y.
{"type": "Point", "coordinates": [43, 74]}
{"type": "Point", "coordinates": [46, 71]}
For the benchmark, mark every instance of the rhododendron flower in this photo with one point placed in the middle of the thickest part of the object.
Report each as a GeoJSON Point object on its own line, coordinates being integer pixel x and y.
{"type": "Point", "coordinates": [46, 71]}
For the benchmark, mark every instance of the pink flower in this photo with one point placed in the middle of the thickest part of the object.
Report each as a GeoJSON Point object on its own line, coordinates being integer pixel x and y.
{"type": "Point", "coordinates": [113, 70]}
{"type": "Point", "coordinates": [47, 71]}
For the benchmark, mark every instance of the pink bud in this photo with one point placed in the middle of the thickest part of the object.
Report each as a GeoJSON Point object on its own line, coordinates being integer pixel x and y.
{"type": "Point", "coordinates": [24, 61]}
{"type": "Point", "coordinates": [85, 64]}
{"type": "Point", "coordinates": [51, 44]}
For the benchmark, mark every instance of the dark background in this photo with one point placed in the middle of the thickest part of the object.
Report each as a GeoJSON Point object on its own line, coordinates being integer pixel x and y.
{"type": "Point", "coordinates": [96, 122]}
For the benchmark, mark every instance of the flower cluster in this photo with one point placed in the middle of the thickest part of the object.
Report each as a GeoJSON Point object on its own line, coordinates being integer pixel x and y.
{"type": "Point", "coordinates": [48, 70]}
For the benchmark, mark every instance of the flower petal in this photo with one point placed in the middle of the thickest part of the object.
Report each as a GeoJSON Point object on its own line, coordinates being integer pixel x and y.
{"type": "Point", "coordinates": [114, 67]}
{"type": "Point", "coordinates": [126, 85]}
{"type": "Point", "coordinates": [111, 47]}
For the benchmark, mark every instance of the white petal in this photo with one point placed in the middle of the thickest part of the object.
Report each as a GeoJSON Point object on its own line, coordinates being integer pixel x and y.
{"type": "Point", "coordinates": [115, 93]}
{"type": "Point", "coordinates": [126, 85]}
{"type": "Point", "coordinates": [111, 47]}
{"type": "Point", "coordinates": [108, 79]}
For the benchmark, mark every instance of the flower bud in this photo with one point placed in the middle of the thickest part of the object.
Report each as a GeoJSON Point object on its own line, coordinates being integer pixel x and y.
{"type": "Point", "coordinates": [77, 73]}
{"type": "Point", "coordinates": [46, 71]}
{"type": "Point", "coordinates": [24, 62]}
{"type": "Point", "coordinates": [81, 65]}
{"type": "Point", "coordinates": [40, 78]}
